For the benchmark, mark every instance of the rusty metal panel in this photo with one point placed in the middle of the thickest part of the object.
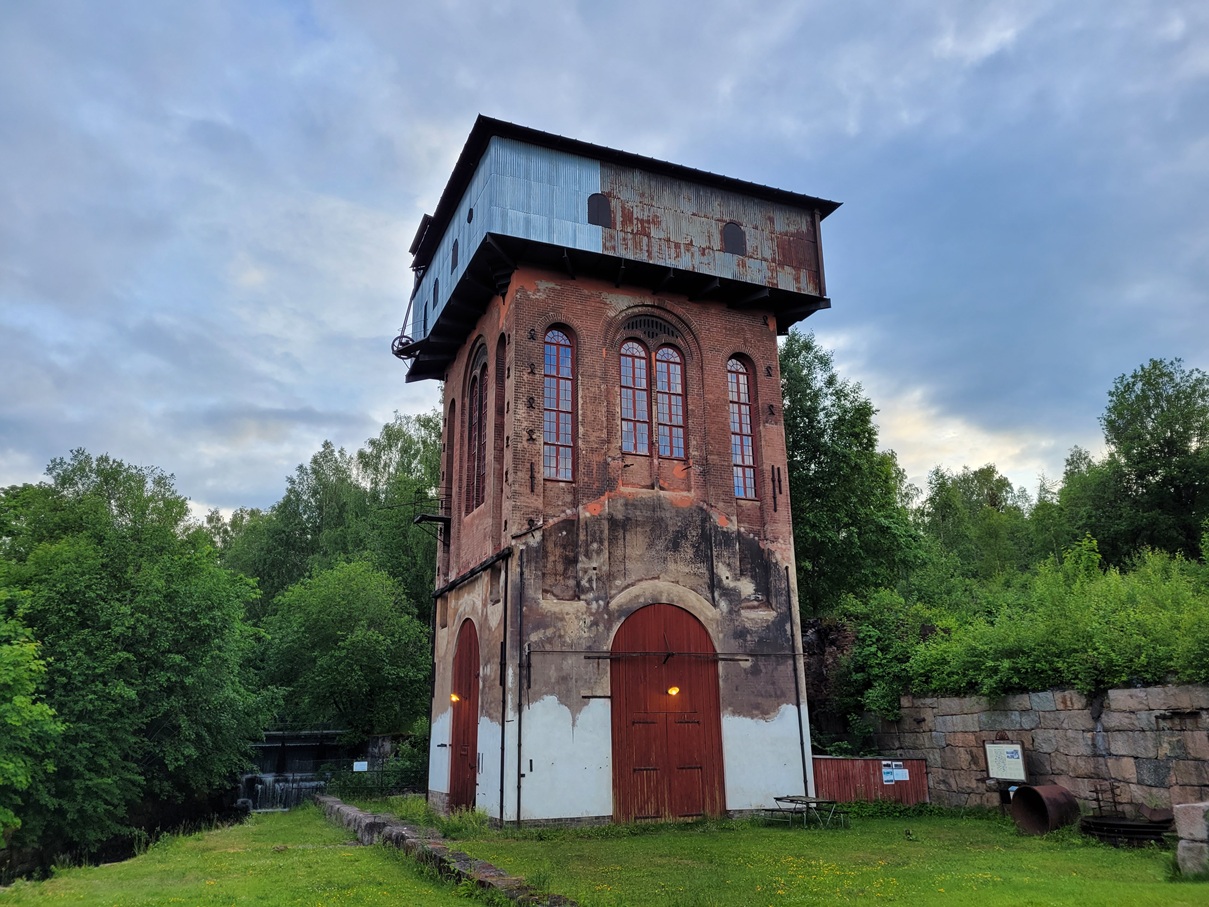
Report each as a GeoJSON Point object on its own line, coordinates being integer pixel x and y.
{"type": "Point", "coordinates": [667, 747]}
{"type": "Point", "coordinates": [849, 780]}
{"type": "Point", "coordinates": [464, 733]}
{"type": "Point", "coordinates": [669, 221]}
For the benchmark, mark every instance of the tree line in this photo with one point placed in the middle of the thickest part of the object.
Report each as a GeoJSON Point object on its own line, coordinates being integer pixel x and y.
{"type": "Point", "coordinates": [142, 651]}
{"type": "Point", "coordinates": [974, 586]}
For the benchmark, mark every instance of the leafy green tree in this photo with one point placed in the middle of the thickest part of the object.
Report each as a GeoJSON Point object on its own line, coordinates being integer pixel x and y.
{"type": "Point", "coordinates": [1157, 428]}
{"type": "Point", "coordinates": [347, 653]}
{"type": "Point", "coordinates": [851, 526]}
{"type": "Point", "coordinates": [30, 727]}
{"type": "Point", "coordinates": [977, 516]}
{"type": "Point", "coordinates": [143, 642]}
{"type": "Point", "coordinates": [340, 507]}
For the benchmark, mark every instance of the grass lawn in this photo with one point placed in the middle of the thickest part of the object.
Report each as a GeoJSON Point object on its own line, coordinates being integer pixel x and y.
{"type": "Point", "coordinates": [294, 858]}
{"type": "Point", "coordinates": [980, 860]}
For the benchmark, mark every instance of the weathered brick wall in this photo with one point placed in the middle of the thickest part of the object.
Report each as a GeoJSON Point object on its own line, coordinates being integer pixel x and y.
{"type": "Point", "coordinates": [1153, 743]}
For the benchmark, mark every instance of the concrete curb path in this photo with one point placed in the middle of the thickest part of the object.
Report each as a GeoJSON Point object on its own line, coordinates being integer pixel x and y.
{"type": "Point", "coordinates": [428, 847]}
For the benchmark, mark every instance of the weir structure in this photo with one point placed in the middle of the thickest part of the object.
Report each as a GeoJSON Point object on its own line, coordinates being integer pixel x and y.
{"type": "Point", "coordinates": [615, 623]}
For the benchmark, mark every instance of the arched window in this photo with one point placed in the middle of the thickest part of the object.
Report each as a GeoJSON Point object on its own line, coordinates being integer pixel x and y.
{"type": "Point", "coordinates": [450, 463]}
{"type": "Point", "coordinates": [733, 239]}
{"type": "Point", "coordinates": [635, 399]}
{"type": "Point", "coordinates": [669, 401]}
{"type": "Point", "coordinates": [559, 408]}
{"type": "Point", "coordinates": [636, 402]}
{"type": "Point", "coordinates": [476, 432]}
{"type": "Point", "coordinates": [453, 257]}
{"type": "Point", "coordinates": [599, 212]}
{"type": "Point", "coordinates": [742, 439]}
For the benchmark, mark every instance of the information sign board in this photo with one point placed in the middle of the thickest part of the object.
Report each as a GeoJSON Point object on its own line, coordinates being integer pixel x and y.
{"type": "Point", "coordinates": [1005, 761]}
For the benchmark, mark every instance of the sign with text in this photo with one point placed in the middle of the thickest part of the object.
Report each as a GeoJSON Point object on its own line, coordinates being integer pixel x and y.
{"type": "Point", "coordinates": [1005, 761]}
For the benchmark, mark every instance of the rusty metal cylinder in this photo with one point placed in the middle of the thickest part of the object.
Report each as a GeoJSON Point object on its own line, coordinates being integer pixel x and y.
{"type": "Point", "coordinates": [1043, 808]}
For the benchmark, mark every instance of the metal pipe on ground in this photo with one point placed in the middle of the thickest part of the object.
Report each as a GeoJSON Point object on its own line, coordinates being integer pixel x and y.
{"type": "Point", "coordinates": [1041, 809]}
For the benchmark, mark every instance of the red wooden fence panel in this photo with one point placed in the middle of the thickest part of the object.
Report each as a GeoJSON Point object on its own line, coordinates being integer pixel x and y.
{"type": "Point", "coordinates": [850, 779]}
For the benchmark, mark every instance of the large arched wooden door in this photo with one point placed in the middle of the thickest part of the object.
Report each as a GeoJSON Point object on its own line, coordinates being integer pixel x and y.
{"type": "Point", "coordinates": [667, 725]}
{"type": "Point", "coordinates": [464, 734]}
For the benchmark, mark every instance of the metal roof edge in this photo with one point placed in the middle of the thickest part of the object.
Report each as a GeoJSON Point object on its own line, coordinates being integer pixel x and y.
{"type": "Point", "coordinates": [485, 128]}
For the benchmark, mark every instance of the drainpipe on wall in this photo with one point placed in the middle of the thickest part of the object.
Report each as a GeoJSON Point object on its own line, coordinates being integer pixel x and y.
{"type": "Point", "coordinates": [796, 632]}
{"type": "Point", "coordinates": [504, 692]}
{"type": "Point", "coordinates": [520, 709]}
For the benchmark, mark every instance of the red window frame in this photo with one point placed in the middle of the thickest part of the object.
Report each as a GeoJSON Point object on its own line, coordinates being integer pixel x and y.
{"type": "Point", "coordinates": [558, 407]}
{"type": "Point", "coordinates": [669, 402]}
{"type": "Point", "coordinates": [476, 434]}
{"type": "Point", "coordinates": [635, 399]}
{"type": "Point", "coordinates": [742, 433]}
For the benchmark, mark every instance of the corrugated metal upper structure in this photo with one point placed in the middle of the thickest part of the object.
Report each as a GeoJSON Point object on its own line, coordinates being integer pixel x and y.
{"type": "Point", "coordinates": [518, 195]}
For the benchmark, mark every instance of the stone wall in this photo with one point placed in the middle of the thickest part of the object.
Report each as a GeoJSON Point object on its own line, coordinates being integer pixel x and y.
{"type": "Point", "coordinates": [1152, 743]}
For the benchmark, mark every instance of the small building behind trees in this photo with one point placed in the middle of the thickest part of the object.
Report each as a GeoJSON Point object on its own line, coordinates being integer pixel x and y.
{"type": "Point", "coordinates": [616, 630]}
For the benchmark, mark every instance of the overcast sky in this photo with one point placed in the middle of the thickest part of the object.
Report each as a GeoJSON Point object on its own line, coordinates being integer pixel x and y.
{"type": "Point", "coordinates": [205, 207]}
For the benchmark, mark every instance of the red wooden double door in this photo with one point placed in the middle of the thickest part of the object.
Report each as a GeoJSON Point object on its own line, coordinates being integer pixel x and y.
{"type": "Point", "coordinates": [667, 735]}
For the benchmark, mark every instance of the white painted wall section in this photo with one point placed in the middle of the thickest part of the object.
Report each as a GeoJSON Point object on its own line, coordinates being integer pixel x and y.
{"type": "Point", "coordinates": [438, 756]}
{"type": "Point", "coordinates": [762, 759]}
{"type": "Point", "coordinates": [572, 773]}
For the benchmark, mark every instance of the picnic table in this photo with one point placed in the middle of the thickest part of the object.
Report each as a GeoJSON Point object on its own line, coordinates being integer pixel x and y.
{"type": "Point", "coordinates": [824, 812]}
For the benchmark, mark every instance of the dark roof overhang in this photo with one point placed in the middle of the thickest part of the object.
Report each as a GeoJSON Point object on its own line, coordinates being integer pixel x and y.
{"type": "Point", "coordinates": [489, 272]}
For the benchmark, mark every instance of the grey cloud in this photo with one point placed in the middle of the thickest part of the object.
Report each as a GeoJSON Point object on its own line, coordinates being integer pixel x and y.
{"type": "Point", "coordinates": [207, 207]}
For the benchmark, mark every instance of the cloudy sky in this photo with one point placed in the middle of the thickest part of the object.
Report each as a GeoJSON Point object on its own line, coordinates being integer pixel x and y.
{"type": "Point", "coordinates": [205, 207]}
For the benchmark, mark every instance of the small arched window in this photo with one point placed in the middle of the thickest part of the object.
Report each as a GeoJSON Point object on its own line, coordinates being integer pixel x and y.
{"type": "Point", "coordinates": [558, 417]}
{"type": "Point", "coordinates": [600, 214]}
{"type": "Point", "coordinates": [453, 257]}
{"type": "Point", "coordinates": [742, 436]}
{"type": "Point", "coordinates": [733, 240]}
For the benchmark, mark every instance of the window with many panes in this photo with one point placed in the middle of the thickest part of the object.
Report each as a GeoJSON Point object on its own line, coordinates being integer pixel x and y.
{"type": "Point", "coordinates": [476, 433]}
{"type": "Point", "coordinates": [669, 401]}
{"type": "Point", "coordinates": [742, 437]}
{"type": "Point", "coordinates": [636, 415]}
{"type": "Point", "coordinates": [559, 408]}
{"type": "Point", "coordinates": [635, 400]}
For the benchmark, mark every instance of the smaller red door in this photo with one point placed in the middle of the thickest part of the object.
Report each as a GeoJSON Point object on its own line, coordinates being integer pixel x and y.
{"type": "Point", "coordinates": [464, 733]}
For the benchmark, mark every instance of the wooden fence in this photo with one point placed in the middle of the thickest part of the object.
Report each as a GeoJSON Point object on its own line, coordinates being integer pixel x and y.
{"type": "Point", "coordinates": [851, 779]}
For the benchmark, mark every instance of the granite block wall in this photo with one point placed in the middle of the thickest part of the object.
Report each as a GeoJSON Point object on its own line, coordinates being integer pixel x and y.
{"type": "Point", "coordinates": [1151, 745]}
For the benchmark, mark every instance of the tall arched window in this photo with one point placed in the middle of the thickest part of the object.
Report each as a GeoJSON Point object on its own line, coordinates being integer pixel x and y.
{"type": "Point", "coordinates": [476, 432]}
{"type": "Point", "coordinates": [742, 439]}
{"type": "Point", "coordinates": [669, 401]}
{"type": "Point", "coordinates": [635, 400]}
{"type": "Point", "coordinates": [636, 415]}
{"type": "Point", "coordinates": [559, 408]}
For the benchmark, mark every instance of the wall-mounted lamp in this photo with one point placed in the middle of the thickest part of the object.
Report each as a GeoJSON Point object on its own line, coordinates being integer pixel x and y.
{"type": "Point", "coordinates": [673, 691]}
{"type": "Point", "coordinates": [454, 697]}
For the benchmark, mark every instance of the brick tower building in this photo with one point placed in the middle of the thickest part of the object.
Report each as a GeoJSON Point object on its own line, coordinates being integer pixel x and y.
{"type": "Point", "coordinates": [616, 632]}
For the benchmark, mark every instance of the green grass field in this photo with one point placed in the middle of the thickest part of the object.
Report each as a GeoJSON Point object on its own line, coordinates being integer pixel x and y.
{"type": "Point", "coordinates": [300, 859]}
{"type": "Point", "coordinates": [294, 858]}
{"type": "Point", "coordinates": [979, 860]}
